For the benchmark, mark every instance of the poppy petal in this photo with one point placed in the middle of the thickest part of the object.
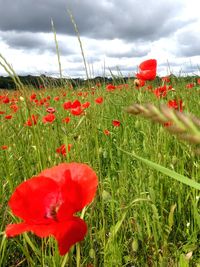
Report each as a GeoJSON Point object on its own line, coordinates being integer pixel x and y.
{"type": "Point", "coordinates": [32, 199]}
{"type": "Point", "coordinates": [86, 180]}
{"type": "Point", "coordinates": [57, 173]}
{"type": "Point", "coordinates": [70, 232]}
{"type": "Point", "coordinates": [148, 64]}
{"type": "Point", "coordinates": [147, 70]}
{"type": "Point", "coordinates": [84, 185]}
{"type": "Point", "coordinates": [16, 229]}
{"type": "Point", "coordinates": [66, 233]}
{"type": "Point", "coordinates": [41, 230]}
{"type": "Point", "coordinates": [146, 75]}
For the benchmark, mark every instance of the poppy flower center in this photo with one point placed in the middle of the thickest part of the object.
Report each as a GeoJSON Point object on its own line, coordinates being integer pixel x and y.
{"type": "Point", "coordinates": [53, 212]}
{"type": "Point", "coordinates": [53, 208]}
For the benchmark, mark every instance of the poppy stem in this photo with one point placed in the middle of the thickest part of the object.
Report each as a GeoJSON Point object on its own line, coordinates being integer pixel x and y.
{"type": "Point", "coordinates": [65, 260]}
{"type": "Point", "coordinates": [78, 255]}
{"type": "Point", "coordinates": [78, 249]}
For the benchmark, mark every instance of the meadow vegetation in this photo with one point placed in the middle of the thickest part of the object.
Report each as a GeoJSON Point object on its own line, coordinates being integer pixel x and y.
{"type": "Point", "coordinates": [140, 216]}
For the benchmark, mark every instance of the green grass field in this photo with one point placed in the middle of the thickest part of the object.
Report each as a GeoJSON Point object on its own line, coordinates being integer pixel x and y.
{"type": "Point", "coordinates": [139, 216]}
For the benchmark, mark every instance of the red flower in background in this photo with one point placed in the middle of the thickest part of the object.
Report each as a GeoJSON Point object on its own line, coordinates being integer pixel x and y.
{"type": "Point", "coordinates": [76, 104]}
{"type": "Point", "coordinates": [56, 98]}
{"type": "Point", "coordinates": [31, 121]}
{"type": "Point", "coordinates": [76, 111]}
{"type": "Point", "coordinates": [50, 110]}
{"type": "Point", "coordinates": [110, 87]}
{"type": "Point", "coordinates": [99, 100]}
{"type": "Point", "coordinates": [4, 147]}
{"type": "Point", "coordinates": [190, 85]}
{"type": "Point", "coordinates": [33, 97]}
{"type": "Point", "coordinates": [62, 149]}
{"type": "Point", "coordinates": [86, 105]}
{"type": "Point", "coordinates": [147, 70]}
{"type": "Point", "coordinates": [8, 117]}
{"type": "Point", "coordinates": [176, 104]}
{"type": "Point", "coordinates": [47, 204]}
{"type": "Point", "coordinates": [106, 132]}
{"type": "Point", "coordinates": [116, 123]}
{"type": "Point", "coordinates": [14, 108]}
{"type": "Point", "coordinates": [6, 100]}
{"type": "Point", "coordinates": [168, 124]}
{"type": "Point", "coordinates": [66, 120]}
{"type": "Point", "coordinates": [49, 118]}
{"type": "Point", "coordinates": [67, 105]}
{"type": "Point", "coordinates": [166, 79]}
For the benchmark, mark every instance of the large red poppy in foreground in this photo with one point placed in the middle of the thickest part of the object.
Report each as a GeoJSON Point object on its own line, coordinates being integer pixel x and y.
{"type": "Point", "coordinates": [147, 70]}
{"type": "Point", "coordinates": [47, 203]}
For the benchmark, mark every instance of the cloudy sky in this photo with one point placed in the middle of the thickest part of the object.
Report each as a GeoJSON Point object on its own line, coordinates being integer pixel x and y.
{"type": "Point", "coordinates": [116, 35]}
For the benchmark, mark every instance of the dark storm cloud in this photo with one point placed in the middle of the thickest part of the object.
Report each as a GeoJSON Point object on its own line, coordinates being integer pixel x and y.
{"type": "Point", "coordinates": [129, 19]}
{"type": "Point", "coordinates": [32, 41]}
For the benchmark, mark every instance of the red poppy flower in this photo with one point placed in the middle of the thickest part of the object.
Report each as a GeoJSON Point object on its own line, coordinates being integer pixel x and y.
{"type": "Point", "coordinates": [166, 79]}
{"type": "Point", "coordinates": [6, 100]}
{"type": "Point", "coordinates": [99, 100]}
{"type": "Point", "coordinates": [116, 123]}
{"type": "Point", "coordinates": [76, 111]}
{"type": "Point", "coordinates": [176, 104]}
{"type": "Point", "coordinates": [190, 85]}
{"type": "Point", "coordinates": [86, 105]}
{"type": "Point", "coordinates": [106, 132]}
{"type": "Point", "coordinates": [8, 117]}
{"type": "Point", "coordinates": [49, 118]}
{"type": "Point", "coordinates": [110, 87]}
{"type": "Point", "coordinates": [4, 147]}
{"type": "Point", "coordinates": [56, 98]}
{"type": "Point", "coordinates": [66, 120]}
{"type": "Point", "coordinates": [14, 107]}
{"type": "Point", "coordinates": [47, 203]}
{"type": "Point", "coordinates": [147, 70]}
{"type": "Point", "coordinates": [160, 91]}
{"type": "Point", "coordinates": [62, 149]}
{"type": "Point", "coordinates": [31, 121]}
{"type": "Point", "coordinates": [33, 97]}
{"type": "Point", "coordinates": [67, 105]}
{"type": "Point", "coordinates": [76, 104]}
{"type": "Point", "coordinates": [50, 110]}
{"type": "Point", "coordinates": [168, 124]}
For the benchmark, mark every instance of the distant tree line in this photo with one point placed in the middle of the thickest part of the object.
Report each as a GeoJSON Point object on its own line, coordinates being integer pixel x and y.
{"type": "Point", "coordinates": [41, 81]}
{"type": "Point", "coordinates": [38, 82]}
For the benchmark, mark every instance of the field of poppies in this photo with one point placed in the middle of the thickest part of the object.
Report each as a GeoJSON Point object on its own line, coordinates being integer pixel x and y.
{"type": "Point", "coordinates": [101, 175]}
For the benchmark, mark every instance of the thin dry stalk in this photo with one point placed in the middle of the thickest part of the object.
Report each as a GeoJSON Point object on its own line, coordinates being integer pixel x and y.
{"type": "Point", "coordinates": [57, 48]}
{"type": "Point", "coordinates": [80, 42]}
